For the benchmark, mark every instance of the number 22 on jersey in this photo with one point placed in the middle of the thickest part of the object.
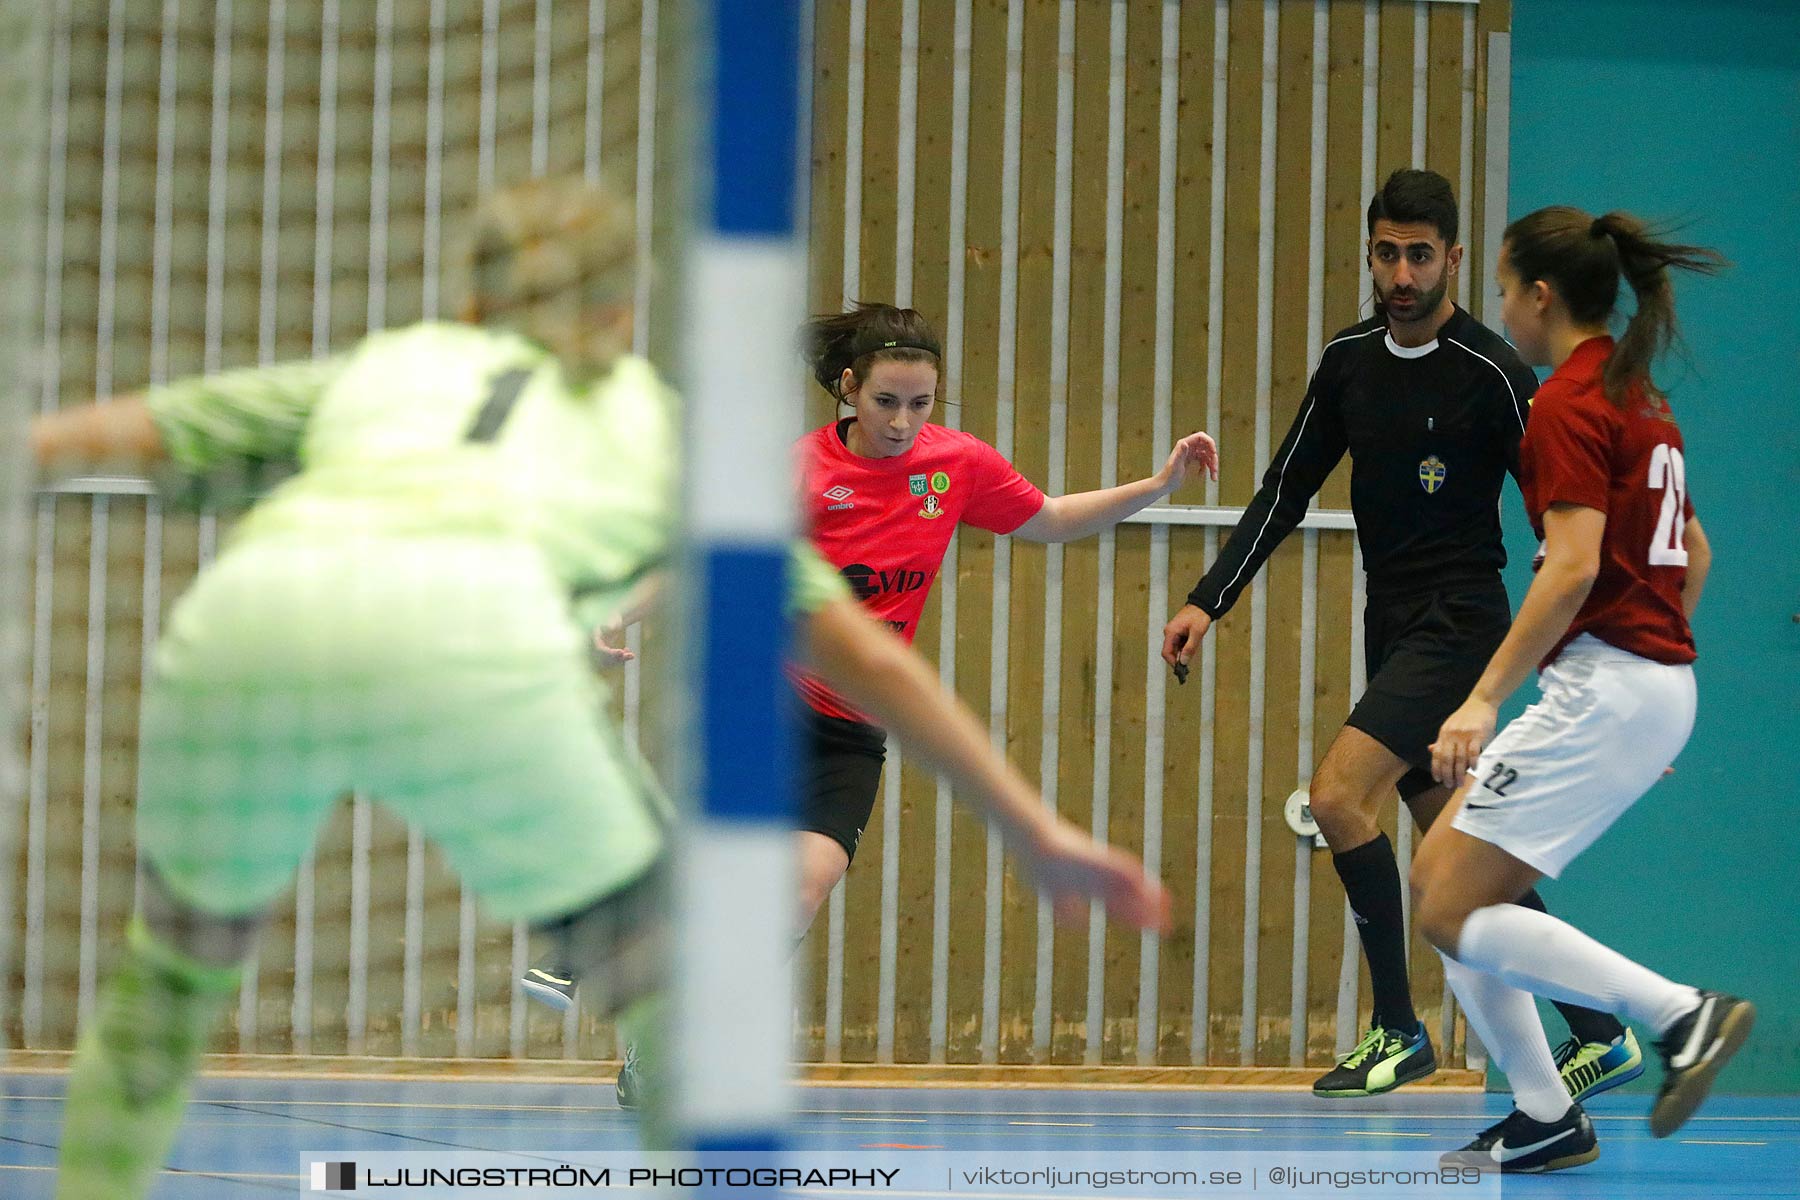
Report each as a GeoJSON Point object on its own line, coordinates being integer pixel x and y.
{"type": "Point", "coordinates": [1668, 472]}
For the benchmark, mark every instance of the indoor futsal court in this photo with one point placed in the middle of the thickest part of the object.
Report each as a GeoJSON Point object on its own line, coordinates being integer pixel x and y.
{"type": "Point", "coordinates": [245, 1137]}
{"type": "Point", "coordinates": [585, 233]}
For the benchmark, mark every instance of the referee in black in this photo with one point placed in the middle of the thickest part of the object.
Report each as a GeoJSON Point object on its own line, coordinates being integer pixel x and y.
{"type": "Point", "coordinates": [1430, 405]}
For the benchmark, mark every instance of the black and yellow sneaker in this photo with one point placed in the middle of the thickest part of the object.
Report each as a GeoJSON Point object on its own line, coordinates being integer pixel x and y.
{"type": "Point", "coordinates": [1693, 1049]}
{"type": "Point", "coordinates": [1589, 1068]}
{"type": "Point", "coordinates": [1381, 1062]}
{"type": "Point", "coordinates": [1522, 1146]}
{"type": "Point", "coordinates": [551, 984]}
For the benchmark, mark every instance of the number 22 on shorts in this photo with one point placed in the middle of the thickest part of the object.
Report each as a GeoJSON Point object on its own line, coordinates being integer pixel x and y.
{"type": "Point", "coordinates": [1501, 778]}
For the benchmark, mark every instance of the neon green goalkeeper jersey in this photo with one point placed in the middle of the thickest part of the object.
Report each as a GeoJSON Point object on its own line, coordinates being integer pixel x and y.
{"type": "Point", "coordinates": [445, 428]}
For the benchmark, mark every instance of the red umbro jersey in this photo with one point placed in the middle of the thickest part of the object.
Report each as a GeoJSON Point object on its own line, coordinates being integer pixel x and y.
{"type": "Point", "coordinates": [1580, 448]}
{"type": "Point", "coordinates": [886, 522]}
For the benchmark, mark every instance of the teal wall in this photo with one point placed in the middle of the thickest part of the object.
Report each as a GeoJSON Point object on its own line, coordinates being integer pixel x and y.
{"type": "Point", "coordinates": [1690, 109]}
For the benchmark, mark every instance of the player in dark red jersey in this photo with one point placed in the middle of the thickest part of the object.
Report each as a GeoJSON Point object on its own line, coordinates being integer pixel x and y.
{"type": "Point", "coordinates": [1606, 622]}
{"type": "Point", "coordinates": [883, 491]}
{"type": "Point", "coordinates": [1430, 406]}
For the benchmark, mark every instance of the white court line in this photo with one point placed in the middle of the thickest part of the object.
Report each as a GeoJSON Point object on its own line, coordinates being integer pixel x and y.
{"type": "Point", "coordinates": [1705, 1142]}
{"type": "Point", "coordinates": [1261, 1116]}
{"type": "Point", "coordinates": [171, 1171]}
{"type": "Point", "coordinates": [1381, 1133]}
{"type": "Point", "coordinates": [1057, 1124]}
{"type": "Point", "coordinates": [889, 1120]}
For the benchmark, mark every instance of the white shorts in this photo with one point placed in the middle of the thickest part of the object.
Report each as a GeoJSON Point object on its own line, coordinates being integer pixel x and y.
{"type": "Point", "coordinates": [1557, 777]}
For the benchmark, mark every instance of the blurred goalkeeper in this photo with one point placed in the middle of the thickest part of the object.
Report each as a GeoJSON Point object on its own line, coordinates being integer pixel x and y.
{"type": "Point", "coordinates": [408, 617]}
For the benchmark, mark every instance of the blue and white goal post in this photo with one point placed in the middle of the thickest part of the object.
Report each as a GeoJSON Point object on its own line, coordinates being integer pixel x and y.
{"type": "Point", "coordinates": [745, 292]}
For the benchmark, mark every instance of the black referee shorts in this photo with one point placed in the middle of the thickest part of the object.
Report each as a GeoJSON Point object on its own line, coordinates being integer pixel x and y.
{"type": "Point", "coordinates": [840, 771]}
{"type": "Point", "coordinates": [1425, 652]}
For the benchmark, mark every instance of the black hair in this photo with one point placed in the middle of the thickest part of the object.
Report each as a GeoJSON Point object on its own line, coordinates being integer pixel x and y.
{"type": "Point", "coordinates": [1411, 195]}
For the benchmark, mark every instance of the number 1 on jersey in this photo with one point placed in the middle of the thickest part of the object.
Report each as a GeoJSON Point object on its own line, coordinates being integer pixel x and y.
{"type": "Point", "coordinates": [503, 393]}
{"type": "Point", "coordinates": [1668, 472]}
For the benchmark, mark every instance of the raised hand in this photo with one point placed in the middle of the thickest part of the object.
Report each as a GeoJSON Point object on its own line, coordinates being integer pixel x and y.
{"type": "Point", "coordinates": [1195, 453]}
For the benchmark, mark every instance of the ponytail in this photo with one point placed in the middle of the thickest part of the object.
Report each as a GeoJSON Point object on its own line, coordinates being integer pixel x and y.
{"type": "Point", "coordinates": [1645, 263]}
{"type": "Point", "coordinates": [869, 333]}
{"type": "Point", "coordinates": [1582, 257]}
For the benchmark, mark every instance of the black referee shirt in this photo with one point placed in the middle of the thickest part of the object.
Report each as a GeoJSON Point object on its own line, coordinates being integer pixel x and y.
{"type": "Point", "coordinates": [1431, 431]}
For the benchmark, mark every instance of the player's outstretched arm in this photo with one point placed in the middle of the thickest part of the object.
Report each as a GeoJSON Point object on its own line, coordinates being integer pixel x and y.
{"type": "Point", "coordinates": [1069, 518]}
{"type": "Point", "coordinates": [91, 437]}
{"type": "Point", "coordinates": [251, 414]}
{"type": "Point", "coordinates": [884, 676]}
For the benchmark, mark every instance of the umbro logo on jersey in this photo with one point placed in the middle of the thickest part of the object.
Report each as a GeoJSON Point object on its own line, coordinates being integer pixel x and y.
{"type": "Point", "coordinates": [840, 497]}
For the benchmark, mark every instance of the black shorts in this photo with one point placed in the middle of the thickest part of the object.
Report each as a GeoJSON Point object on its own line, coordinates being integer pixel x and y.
{"type": "Point", "coordinates": [840, 772]}
{"type": "Point", "coordinates": [1425, 652]}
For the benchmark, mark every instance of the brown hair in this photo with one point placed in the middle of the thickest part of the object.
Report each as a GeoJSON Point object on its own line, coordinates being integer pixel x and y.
{"type": "Point", "coordinates": [1583, 256]}
{"type": "Point", "coordinates": [858, 339]}
{"type": "Point", "coordinates": [544, 254]}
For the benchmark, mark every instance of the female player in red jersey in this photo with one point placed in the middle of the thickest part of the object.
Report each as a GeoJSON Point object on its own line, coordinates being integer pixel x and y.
{"type": "Point", "coordinates": [883, 491]}
{"type": "Point", "coordinates": [1606, 621]}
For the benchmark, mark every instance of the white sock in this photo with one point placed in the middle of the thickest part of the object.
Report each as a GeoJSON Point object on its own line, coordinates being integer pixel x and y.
{"type": "Point", "coordinates": [1507, 1020]}
{"type": "Point", "coordinates": [1547, 957]}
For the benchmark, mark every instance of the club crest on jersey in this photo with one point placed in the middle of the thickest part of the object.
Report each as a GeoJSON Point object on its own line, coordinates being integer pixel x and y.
{"type": "Point", "coordinates": [1431, 474]}
{"type": "Point", "coordinates": [933, 509]}
{"type": "Point", "coordinates": [940, 482]}
{"type": "Point", "coordinates": [915, 484]}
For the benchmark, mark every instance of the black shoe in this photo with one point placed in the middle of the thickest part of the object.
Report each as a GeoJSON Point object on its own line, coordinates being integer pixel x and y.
{"type": "Point", "coordinates": [1381, 1062]}
{"type": "Point", "coordinates": [1522, 1146]}
{"type": "Point", "coordinates": [551, 985]}
{"type": "Point", "coordinates": [629, 1088]}
{"type": "Point", "coordinates": [1693, 1050]}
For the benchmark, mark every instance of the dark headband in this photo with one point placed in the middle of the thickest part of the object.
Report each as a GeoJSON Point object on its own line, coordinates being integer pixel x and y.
{"type": "Point", "coordinates": [857, 351]}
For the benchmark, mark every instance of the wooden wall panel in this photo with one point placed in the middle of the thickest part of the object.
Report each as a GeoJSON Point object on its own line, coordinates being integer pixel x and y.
{"type": "Point", "coordinates": [825, 260]}
{"type": "Point", "coordinates": [1289, 370]}
{"type": "Point", "coordinates": [877, 273]}
{"type": "Point", "coordinates": [933, 257]}
{"type": "Point", "coordinates": [1192, 266]}
{"type": "Point", "coordinates": [1003, 354]}
{"type": "Point", "coordinates": [985, 562]}
{"type": "Point", "coordinates": [1031, 430]}
{"type": "Point", "coordinates": [1131, 637]}
{"type": "Point", "coordinates": [144, 297]}
{"type": "Point", "coordinates": [1239, 474]}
